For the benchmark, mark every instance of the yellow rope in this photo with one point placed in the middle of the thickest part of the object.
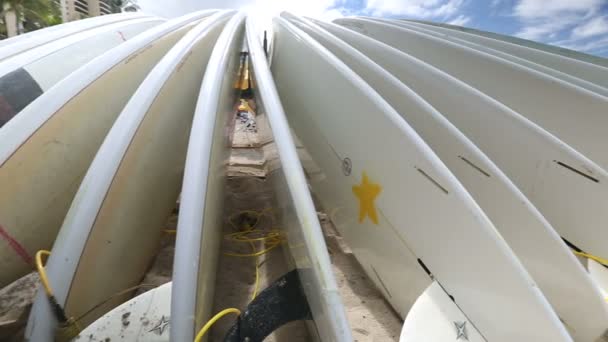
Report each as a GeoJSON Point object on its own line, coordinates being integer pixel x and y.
{"type": "Point", "coordinates": [42, 272]}
{"type": "Point", "coordinates": [252, 235]}
{"type": "Point", "coordinates": [592, 257]}
{"type": "Point", "coordinates": [68, 327]}
{"type": "Point", "coordinates": [257, 275]}
{"type": "Point", "coordinates": [256, 254]}
{"type": "Point", "coordinates": [212, 321]}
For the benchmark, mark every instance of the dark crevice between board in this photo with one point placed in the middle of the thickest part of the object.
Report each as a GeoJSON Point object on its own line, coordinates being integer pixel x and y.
{"type": "Point", "coordinates": [580, 173]}
{"type": "Point", "coordinates": [474, 166]}
{"type": "Point", "coordinates": [381, 281]}
{"type": "Point", "coordinates": [426, 269]}
{"type": "Point", "coordinates": [433, 181]}
{"type": "Point", "coordinates": [576, 249]}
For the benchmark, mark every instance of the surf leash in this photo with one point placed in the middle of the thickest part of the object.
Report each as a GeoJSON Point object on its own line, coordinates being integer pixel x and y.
{"type": "Point", "coordinates": [599, 260]}
{"type": "Point", "coordinates": [68, 327]}
{"type": "Point", "coordinates": [212, 321]}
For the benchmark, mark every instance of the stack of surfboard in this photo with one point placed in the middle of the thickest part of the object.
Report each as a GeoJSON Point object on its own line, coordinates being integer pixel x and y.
{"type": "Point", "coordinates": [464, 169]}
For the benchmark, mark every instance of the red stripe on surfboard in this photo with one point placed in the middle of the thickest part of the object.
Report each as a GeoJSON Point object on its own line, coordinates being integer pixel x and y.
{"type": "Point", "coordinates": [16, 246]}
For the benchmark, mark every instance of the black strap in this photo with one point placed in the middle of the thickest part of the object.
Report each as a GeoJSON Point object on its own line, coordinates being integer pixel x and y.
{"type": "Point", "coordinates": [280, 303]}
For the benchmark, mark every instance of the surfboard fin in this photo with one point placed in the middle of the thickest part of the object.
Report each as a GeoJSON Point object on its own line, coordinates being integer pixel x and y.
{"type": "Point", "coordinates": [282, 302]}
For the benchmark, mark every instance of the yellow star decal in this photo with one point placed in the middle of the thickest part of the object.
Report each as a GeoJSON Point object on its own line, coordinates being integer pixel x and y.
{"type": "Point", "coordinates": [367, 193]}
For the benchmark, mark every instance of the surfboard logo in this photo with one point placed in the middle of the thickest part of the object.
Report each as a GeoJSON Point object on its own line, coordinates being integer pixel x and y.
{"type": "Point", "coordinates": [162, 325]}
{"type": "Point", "coordinates": [367, 192]}
{"type": "Point", "coordinates": [347, 166]}
{"type": "Point", "coordinates": [461, 331]}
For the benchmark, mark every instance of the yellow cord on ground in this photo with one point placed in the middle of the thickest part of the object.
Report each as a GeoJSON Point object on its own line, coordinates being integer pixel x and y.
{"type": "Point", "coordinates": [256, 254]}
{"type": "Point", "coordinates": [252, 235]}
{"type": "Point", "coordinates": [212, 321]}
{"type": "Point", "coordinates": [257, 274]}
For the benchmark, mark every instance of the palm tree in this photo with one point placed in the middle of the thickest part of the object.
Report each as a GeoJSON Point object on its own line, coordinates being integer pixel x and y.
{"type": "Point", "coordinates": [32, 14]}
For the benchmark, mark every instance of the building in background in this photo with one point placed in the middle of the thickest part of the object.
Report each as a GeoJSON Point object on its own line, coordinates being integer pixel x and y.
{"type": "Point", "coordinates": [78, 9]}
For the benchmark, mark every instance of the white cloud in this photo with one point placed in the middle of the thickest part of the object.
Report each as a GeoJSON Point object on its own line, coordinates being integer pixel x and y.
{"type": "Point", "coordinates": [495, 3]}
{"type": "Point", "coordinates": [546, 29]}
{"type": "Point", "coordinates": [530, 9]}
{"type": "Point", "coordinates": [546, 20]}
{"type": "Point", "coordinates": [414, 8]}
{"type": "Point", "coordinates": [460, 20]}
{"type": "Point", "coordinates": [593, 27]}
{"type": "Point", "coordinates": [593, 45]}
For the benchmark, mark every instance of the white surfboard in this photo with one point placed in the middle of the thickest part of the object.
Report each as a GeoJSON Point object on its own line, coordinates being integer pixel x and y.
{"type": "Point", "coordinates": [574, 115]}
{"type": "Point", "coordinates": [539, 50]}
{"type": "Point", "coordinates": [200, 215]}
{"type": "Point", "coordinates": [112, 230]}
{"type": "Point", "coordinates": [305, 238]}
{"type": "Point", "coordinates": [599, 272]}
{"type": "Point", "coordinates": [436, 318]}
{"type": "Point", "coordinates": [584, 75]}
{"type": "Point", "coordinates": [571, 291]}
{"type": "Point", "coordinates": [395, 202]}
{"type": "Point", "coordinates": [21, 43]}
{"type": "Point", "coordinates": [145, 318]}
{"type": "Point", "coordinates": [47, 148]}
{"type": "Point", "coordinates": [567, 188]}
{"type": "Point", "coordinates": [25, 77]}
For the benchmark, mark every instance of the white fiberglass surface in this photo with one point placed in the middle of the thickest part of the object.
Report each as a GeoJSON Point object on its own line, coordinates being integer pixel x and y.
{"type": "Point", "coordinates": [39, 53]}
{"type": "Point", "coordinates": [479, 43]}
{"type": "Point", "coordinates": [573, 114]}
{"type": "Point", "coordinates": [131, 187]}
{"type": "Point", "coordinates": [14, 133]}
{"type": "Point", "coordinates": [371, 160]}
{"type": "Point", "coordinates": [74, 56]}
{"type": "Point", "coordinates": [436, 318]}
{"type": "Point", "coordinates": [201, 200]}
{"type": "Point", "coordinates": [19, 44]}
{"type": "Point", "coordinates": [571, 291]}
{"type": "Point", "coordinates": [143, 318]}
{"type": "Point", "coordinates": [569, 190]}
{"type": "Point", "coordinates": [575, 63]}
{"type": "Point", "coordinates": [306, 243]}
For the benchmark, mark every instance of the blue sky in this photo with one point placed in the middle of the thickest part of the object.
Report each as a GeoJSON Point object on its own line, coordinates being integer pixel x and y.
{"type": "Point", "coordinates": [580, 25]}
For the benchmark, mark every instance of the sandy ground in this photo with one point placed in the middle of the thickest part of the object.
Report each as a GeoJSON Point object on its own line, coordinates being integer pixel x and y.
{"type": "Point", "coordinates": [253, 156]}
